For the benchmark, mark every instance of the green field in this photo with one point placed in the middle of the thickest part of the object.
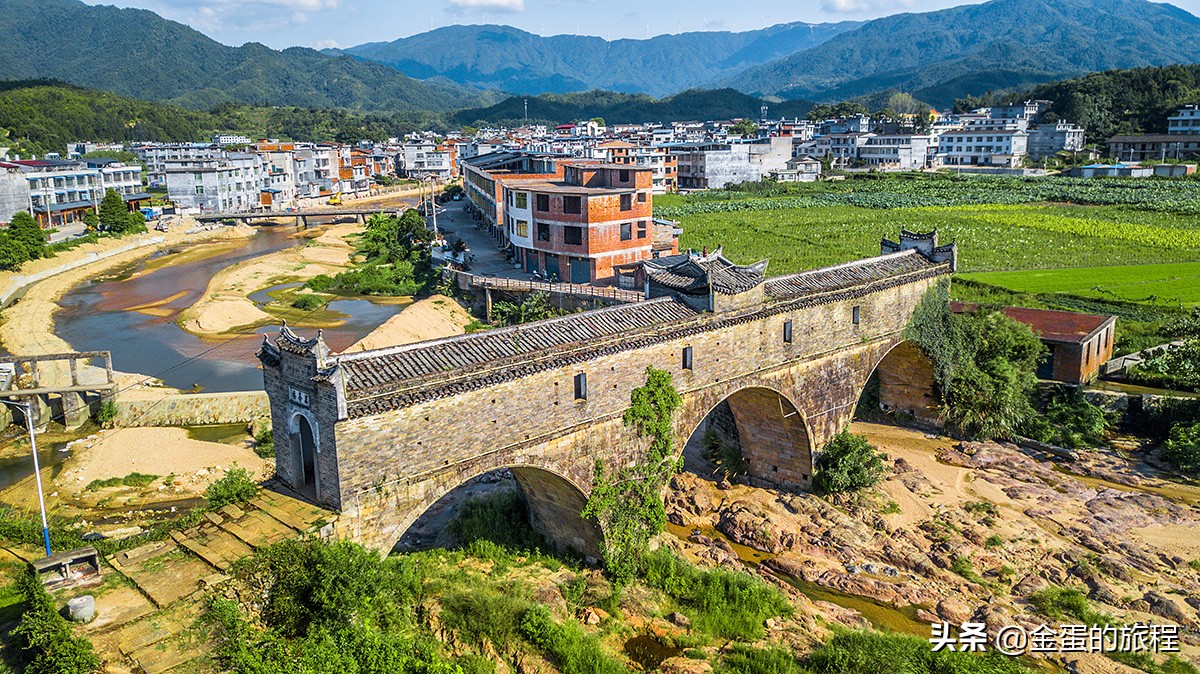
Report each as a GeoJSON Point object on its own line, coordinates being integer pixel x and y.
{"type": "Point", "coordinates": [990, 237]}
{"type": "Point", "coordinates": [1172, 284]}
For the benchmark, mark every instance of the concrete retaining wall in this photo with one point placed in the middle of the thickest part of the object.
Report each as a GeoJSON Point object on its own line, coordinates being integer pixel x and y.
{"type": "Point", "coordinates": [191, 409]}
{"type": "Point", "coordinates": [19, 282]}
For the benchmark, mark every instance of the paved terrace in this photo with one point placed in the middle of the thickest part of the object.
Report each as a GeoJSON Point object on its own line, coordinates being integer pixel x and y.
{"type": "Point", "coordinates": [377, 381]}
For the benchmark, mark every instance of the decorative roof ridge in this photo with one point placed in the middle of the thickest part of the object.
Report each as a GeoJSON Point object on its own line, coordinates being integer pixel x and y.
{"type": "Point", "coordinates": [512, 329]}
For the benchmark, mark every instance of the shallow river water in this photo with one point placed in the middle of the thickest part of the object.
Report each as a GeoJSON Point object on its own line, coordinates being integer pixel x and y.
{"type": "Point", "coordinates": [99, 316]}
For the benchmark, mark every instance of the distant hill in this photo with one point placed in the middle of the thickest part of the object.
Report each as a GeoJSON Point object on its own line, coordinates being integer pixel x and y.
{"type": "Point", "coordinates": [943, 55]}
{"type": "Point", "coordinates": [138, 53]}
{"type": "Point", "coordinates": [506, 58]}
{"type": "Point", "coordinates": [619, 108]}
{"type": "Point", "coordinates": [37, 117]}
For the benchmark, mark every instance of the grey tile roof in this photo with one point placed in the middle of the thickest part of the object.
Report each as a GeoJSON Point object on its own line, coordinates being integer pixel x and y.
{"type": "Point", "coordinates": [846, 275]}
{"type": "Point", "coordinates": [376, 370]}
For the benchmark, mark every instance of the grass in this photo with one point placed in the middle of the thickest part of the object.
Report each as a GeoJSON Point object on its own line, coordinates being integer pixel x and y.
{"type": "Point", "coordinates": [1171, 283]}
{"type": "Point", "coordinates": [130, 480]}
{"type": "Point", "coordinates": [990, 237]}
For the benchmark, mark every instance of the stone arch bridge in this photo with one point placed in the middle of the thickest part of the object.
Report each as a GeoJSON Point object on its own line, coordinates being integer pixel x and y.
{"type": "Point", "coordinates": [380, 436]}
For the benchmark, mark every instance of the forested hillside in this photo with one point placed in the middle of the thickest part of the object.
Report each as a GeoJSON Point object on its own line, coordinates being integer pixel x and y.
{"type": "Point", "coordinates": [695, 104]}
{"type": "Point", "coordinates": [1115, 102]}
{"type": "Point", "coordinates": [135, 52]}
{"type": "Point", "coordinates": [41, 117]}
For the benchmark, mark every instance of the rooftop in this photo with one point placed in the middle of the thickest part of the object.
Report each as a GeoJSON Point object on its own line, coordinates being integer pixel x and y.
{"type": "Point", "coordinates": [1059, 326]}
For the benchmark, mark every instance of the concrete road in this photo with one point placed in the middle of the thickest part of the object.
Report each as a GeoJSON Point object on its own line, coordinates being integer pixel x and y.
{"type": "Point", "coordinates": [454, 223]}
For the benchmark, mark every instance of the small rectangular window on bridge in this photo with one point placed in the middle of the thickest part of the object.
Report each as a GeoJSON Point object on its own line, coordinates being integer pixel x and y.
{"type": "Point", "coordinates": [687, 357]}
{"type": "Point", "coordinates": [787, 331]}
{"type": "Point", "coordinates": [857, 314]}
{"type": "Point", "coordinates": [581, 386]}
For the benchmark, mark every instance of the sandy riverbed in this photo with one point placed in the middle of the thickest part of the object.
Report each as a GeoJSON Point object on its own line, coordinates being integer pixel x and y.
{"type": "Point", "coordinates": [226, 305]}
{"type": "Point", "coordinates": [28, 325]}
{"type": "Point", "coordinates": [431, 318]}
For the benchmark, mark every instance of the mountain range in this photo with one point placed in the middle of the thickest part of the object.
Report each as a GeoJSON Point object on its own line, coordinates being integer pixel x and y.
{"type": "Point", "coordinates": [937, 56]}
{"type": "Point", "coordinates": [506, 58]}
{"type": "Point", "coordinates": [137, 53]}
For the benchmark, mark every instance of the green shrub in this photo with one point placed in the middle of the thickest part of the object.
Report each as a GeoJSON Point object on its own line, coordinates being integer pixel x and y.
{"type": "Point", "coordinates": [308, 302]}
{"type": "Point", "coordinates": [237, 486]}
{"type": "Point", "coordinates": [130, 480]}
{"type": "Point", "coordinates": [848, 463]}
{"type": "Point", "coordinates": [1182, 449]}
{"type": "Point", "coordinates": [482, 615]}
{"type": "Point", "coordinates": [742, 659]}
{"type": "Point", "coordinates": [1070, 421]}
{"type": "Point", "coordinates": [106, 413]}
{"type": "Point", "coordinates": [962, 566]}
{"type": "Point", "coordinates": [47, 644]}
{"type": "Point", "coordinates": [319, 283]}
{"type": "Point", "coordinates": [1059, 603]}
{"type": "Point", "coordinates": [723, 603]}
{"type": "Point", "coordinates": [502, 518]}
{"type": "Point", "coordinates": [1177, 368]}
{"type": "Point", "coordinates": [994, 541]}
{"type": "Point", "coordinates": [727, 457]}
{"type": "Point", "coordinates": [572, 650]}
{"type": "Point", "coordinates": [264, 442]}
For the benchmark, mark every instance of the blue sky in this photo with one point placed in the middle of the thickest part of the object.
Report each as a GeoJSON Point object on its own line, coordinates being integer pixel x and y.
{"type": "Point", "coordinates": [331, 23]}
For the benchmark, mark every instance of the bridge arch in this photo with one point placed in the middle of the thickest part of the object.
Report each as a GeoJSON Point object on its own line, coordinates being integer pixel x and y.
{"type": "Point", "coordinates": [902, 383]}
{"type": "Point", "coordinates": [769, 429]}
{"type": "Point", "coordinates": [554, 503]}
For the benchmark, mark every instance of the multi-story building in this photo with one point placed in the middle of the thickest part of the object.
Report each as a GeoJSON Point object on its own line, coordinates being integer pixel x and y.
{"type": "Point", "coordinates": [579, 227]}
{"type": "Point", "coordinates": [234, 182]}
{"type": "Point", "coordinates": [429, 159]}
{"type": "Point", "coordinates": [75, 150]}
{"type": "Point", "coordinates": [984, 143]}
{"type": "Point", "coordinates": [1185, 122]}
{"type": "Point", "coordinates": [904, 152]}
{"type": "Point", "coordinates": [61, 192]}
{"type": "Point", "coordinates": [1155, 146]}
{"type": "Point", "coordinates": [663, 167]}
{"type": "Point", "coordinates": [227, 139]}
{"type": "Point", "coordinates": [14, 193]}
{"type": "Point", "coordinates": [1048, 139]}
{"type": "Point", "coordinates": [718, 164]}
{"type": "Point", "coordinates": [156, 155]}
{"type": "Point", "coordinates": [482, 182]}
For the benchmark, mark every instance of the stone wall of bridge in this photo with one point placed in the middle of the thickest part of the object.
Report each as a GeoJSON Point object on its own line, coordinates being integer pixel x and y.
{"type": "Point", "coordinates": [788, 398]}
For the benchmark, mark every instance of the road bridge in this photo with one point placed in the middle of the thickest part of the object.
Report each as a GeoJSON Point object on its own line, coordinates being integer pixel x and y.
{"type": "Point", "coordinates": [381, 435]}
{"type": "Point", "coordinates": [302, 215]}
{"type": "Point", "coordinates": [62, 386]}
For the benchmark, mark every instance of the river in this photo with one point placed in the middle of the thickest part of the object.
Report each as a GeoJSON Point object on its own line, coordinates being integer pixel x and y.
{"type": "Point", "coordinates": [100, 316]}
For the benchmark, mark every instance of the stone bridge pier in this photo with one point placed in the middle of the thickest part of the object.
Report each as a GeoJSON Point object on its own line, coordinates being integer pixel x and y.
{"type": "Point", "coordinates": [380, 436]}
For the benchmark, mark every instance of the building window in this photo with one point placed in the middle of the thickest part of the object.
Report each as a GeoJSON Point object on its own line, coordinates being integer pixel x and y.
{"type": "Point", "coordinates": [623, 176]}
{"type": "Point", "coordinates": [787, 331]}
{"type": "Point", "coordinates": [857, 314]}
{"type": "Point", "coordinates": [522, 228]}
{"type": "Point", "coordinates": [199, 189]}
{"type": "Point", "coordinates": [572, 205]}
{"type": "Point", "coordinates": [687, 357]}
{"type": "Point", "coordinates": [543, 202]}
{"type": "Point", "coordinates": [641, 229]}
{"type": "Point", "coordinates": [626, 231]}
{"type": "Point", "coordinates": [573, 235]}
{"type": "Point", "coordinates": [543, 231]}
{"type": "Point", "coordinates": [581, 386]}
{"type": "Point", "coordinates": [641, 197]}
{"type": "Point", "coordinates": [522, 199]}
{"type": "Point", "coordinates": [626, 202]}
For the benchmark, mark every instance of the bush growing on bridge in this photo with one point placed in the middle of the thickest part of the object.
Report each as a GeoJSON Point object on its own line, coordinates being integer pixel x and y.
{"type": "Point", "coordinates": [984, 363]}
{"type": "Point", "coordinates": [237, 486]}
{"type": "Point", "coordinates": [628, 505]}
{"type": "Point", "coordinates": [847, 463]}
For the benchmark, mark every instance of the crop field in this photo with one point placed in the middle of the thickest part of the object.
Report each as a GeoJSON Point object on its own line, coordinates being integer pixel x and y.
{"type": "Point", "coordinates": [990, 237]}
{"type": "Point", "coordinates": [1172, 284]}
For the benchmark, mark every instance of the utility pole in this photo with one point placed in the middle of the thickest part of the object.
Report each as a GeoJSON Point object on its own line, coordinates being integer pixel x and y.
{"type": "Point", "coordinates": [27, 408]}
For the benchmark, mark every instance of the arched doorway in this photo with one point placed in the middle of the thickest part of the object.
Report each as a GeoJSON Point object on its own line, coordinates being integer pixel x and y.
{"type": "Point", "coordinates": [756, 434]}
{"type": "Point", "coordinates": [553, 507]}
{"type": "Point", "coordinates": [305, 442]}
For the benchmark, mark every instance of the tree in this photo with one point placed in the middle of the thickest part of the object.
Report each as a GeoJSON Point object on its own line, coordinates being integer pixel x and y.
{"type": "Point", "coordinates": [1182, 449]}
{"type": "Point", "coordinates": [91, 220]}
{"type": "Point", "coordinates": [847, 463]}
{"type": "Point", "coordinates": [744, 128]}
{"type": "Point", "coordinates": [27, 236]}
{"type": "Point", "coordinates": [984, 363]}
{"type": "Point", "coordinates": [114, 214]}
{"type": "Point", "coordinates": [629, 505]}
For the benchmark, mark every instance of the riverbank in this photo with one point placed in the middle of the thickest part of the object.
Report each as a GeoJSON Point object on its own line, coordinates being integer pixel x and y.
{"type": "Point", "coordinates": [27, 327]}
{"type": "Point", "coordinates": [226, 307]}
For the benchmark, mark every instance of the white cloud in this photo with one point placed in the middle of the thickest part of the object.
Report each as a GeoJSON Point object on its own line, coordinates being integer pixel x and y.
{"type": "Point", "coordinates": [497, 5]}
{"type": "Point", "coordinates": [857, 6]}
{"type": "Point", "coordinates": [326, 44]}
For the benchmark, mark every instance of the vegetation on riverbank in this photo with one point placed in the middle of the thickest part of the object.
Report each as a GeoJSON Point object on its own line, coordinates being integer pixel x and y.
{"type": "Point", "coordinates": [394, 259]}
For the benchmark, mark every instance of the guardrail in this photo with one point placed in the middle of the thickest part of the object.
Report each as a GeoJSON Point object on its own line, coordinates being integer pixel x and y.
{"type": "Point", "coordinates": [549, 287]}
